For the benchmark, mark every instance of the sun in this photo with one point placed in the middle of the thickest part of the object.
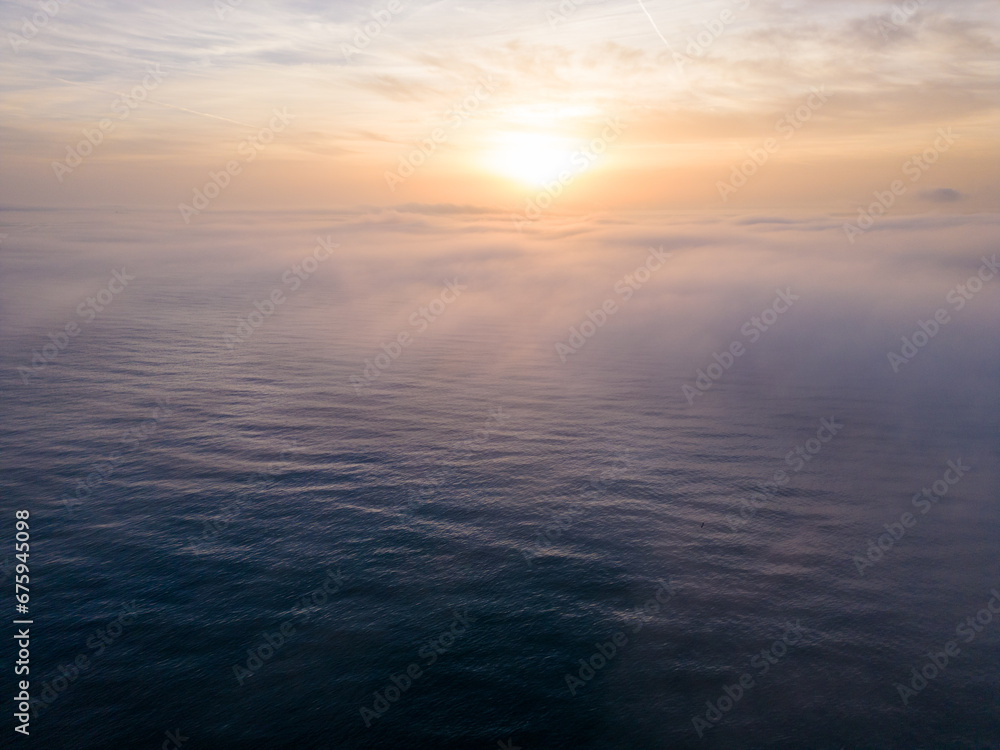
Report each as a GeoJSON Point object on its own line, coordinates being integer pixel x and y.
{"type": "Point", "coordinates": [532, 158]}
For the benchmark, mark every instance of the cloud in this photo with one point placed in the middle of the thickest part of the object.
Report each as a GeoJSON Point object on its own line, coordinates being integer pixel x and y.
{"type": "Point", "coordinates": [605, 60]}
{"type": "Point", "coordinates": [941, 195]}
{"type": "Point", "coordinates": [526, 291]}
{"type": "Point", "coordinates": [442, 208]}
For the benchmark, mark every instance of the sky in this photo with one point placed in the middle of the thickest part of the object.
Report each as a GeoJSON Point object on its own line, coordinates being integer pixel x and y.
{"type": "Point", "coordinates": [623, 191]}
{"type": "Point", "coordinates": [520, 107]}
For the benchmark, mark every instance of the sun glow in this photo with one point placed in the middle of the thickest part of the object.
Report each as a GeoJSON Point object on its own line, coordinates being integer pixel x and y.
{"type": "Point", "coordinates": [532, 158]}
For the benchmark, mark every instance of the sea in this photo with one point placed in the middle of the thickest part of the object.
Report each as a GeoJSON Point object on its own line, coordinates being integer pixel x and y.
{"type": "Point", "coordinates": [415, 478]}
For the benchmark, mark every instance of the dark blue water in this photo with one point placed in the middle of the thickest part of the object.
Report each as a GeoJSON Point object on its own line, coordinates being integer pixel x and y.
{"type": "Point", "coordinates": [484, 511]}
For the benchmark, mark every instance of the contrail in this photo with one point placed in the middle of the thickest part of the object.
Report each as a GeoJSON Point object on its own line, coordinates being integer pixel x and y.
{"type": "Point", "coordinates": [154, 101]}
{"type": "Point", "coordinates": [203, 114]}
{"type": "Point", "coordinates": [655, 27]}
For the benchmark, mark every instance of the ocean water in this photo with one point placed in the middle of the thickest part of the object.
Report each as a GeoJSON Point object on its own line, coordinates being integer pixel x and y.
{"type": "Point", "coordinates": [250, 540]}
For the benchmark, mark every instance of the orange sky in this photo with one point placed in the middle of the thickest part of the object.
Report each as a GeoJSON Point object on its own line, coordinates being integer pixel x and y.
{"type": "Point", "coordinates": [583, 106]}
